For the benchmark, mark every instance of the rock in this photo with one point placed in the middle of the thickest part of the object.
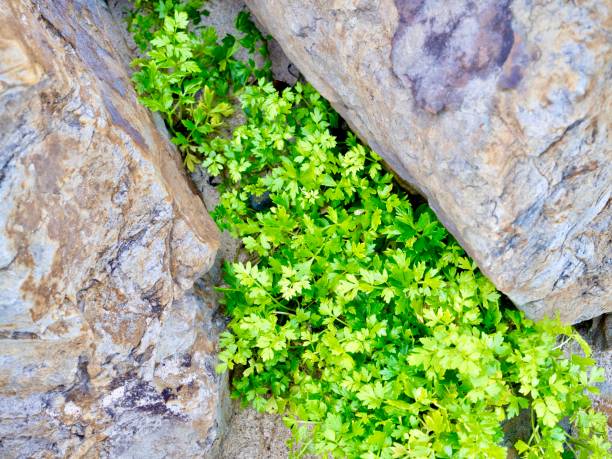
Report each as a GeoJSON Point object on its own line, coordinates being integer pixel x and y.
{"type": "Point", "coordinates": [253, 435]}
{"type": "Point", "coordinates": [602, 401]}
{"type": "Point", "coordinates": [282, 68]}
{"type": "Point", "coordinates": [598, 334]}
{"type": "Point", "coordinates": [497, 111]}
{"type": "Point", "coordinates": [105, 352]}
{"type": "Point", "coordinates": [515, 429]}
{"type": "Point", "coordinates": [260, 202]}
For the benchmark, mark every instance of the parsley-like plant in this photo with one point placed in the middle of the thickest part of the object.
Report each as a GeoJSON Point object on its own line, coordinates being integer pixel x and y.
{"type": "Point", "coordinates": [358, 317]}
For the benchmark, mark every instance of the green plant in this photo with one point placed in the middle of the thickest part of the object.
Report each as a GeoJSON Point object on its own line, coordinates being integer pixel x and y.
{"type": "Point", "coordinates": [147, 16]}
{"type": "Point", "coordinates": [363, 321]}
{"type": "Point", "coordinates": [189, 77]}
{"type": "Point", "coordinates": [358, 317]}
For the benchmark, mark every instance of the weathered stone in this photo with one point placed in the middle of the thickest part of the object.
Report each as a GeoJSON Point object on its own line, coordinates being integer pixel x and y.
{"type": "Point", "coordinates": [103, 353]}
{"type": "Point", "coordinates": [497, 111]}
{"type": "Point", "coordinates": [255, 435]}
{"type": "Point", "coordinates": [598, 333]}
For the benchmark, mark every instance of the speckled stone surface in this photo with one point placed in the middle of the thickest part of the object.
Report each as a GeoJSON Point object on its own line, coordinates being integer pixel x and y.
{"type": "Point", "coordinates": [105, 349]}
{"type": "Point", "coordinates": [498, 112]}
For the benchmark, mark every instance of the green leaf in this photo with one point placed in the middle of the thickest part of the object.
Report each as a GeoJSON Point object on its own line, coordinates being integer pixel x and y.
{"type": "Point", "coordinates": [355, 316]}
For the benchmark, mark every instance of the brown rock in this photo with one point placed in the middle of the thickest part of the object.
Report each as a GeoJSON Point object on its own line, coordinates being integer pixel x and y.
{"type": "Point", "coordinates": [103, 353]}
{"type": "Point", "coordinates": [497, 111]}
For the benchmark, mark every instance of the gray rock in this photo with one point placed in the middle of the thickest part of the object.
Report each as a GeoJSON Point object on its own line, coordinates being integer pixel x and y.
{"type": "Point", "coordinates": [598, 333]}
{"type": "Point", "coordinates": [105, 350]}
{"type": "Point", "coordinates": [253, 435]}
{"type": "Point", "coordinates": [497, 111]}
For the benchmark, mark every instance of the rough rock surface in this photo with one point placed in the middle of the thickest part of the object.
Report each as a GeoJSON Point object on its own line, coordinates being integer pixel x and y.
{"type": "Point", "coordinates": [497, 111]}
{"type": "Point", "coordinates": [253, 435]}
{"type": "Point", "coordinates": [103, 353]}
{"type": "Point", "coordinates": [598, 333]}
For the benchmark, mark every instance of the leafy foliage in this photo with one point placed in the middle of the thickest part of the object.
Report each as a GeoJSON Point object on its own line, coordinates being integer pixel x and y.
{"type": "Point", "coordinates": [363, 321]}
{"type": "Point", "coordinates": [358, 317]}
{"type": "Point", "coordinates": [188, 76]}
{"type": "Point", "coordinates": [148, 16]}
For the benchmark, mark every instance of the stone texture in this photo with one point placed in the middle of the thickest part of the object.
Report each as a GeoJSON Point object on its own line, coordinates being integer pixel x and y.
{"type": "Point", "coordinates": [603, 401]}
{"type": "Point", "coordinates": [105, 350]}
{"type": "Point", "coordinates": [598, 333]}
{"type": "Point", "coordinates": [497, 111]}
{"type": "Point", "coordinates": [253, 435]}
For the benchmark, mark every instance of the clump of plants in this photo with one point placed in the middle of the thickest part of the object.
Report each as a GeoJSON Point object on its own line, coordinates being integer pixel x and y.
{"type": "Point", "coordinates": [189, 76]}
{"type": "Point", "coordinates": [358, 317]}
